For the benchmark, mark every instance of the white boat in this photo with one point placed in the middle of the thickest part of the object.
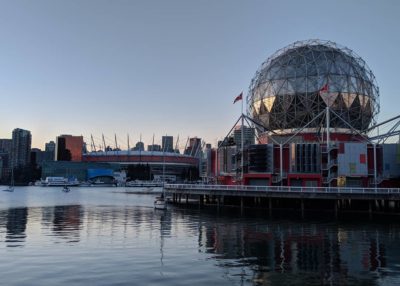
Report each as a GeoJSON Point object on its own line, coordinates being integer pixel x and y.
{"type": "Point", "coordinates": [11, 186]}
{"type": "Point", "coordinates": [59, 181]}
{"type": "Point", "coordinates": [159, 203]}
{"type": "Point", "coordinates": [38, 183]}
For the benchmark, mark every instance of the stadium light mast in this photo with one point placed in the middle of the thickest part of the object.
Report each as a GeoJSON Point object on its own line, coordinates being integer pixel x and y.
{"type": "Point", "coordinates": [104, 143]}
{"type": "Point", "coordinates": [92, 145]}
{"type": "Point", "coordinates": [176, 143]}
{"type": "Point", "coordinates": [242, 143]}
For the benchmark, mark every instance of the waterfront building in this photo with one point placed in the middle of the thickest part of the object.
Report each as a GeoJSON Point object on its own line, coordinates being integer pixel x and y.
{"type": "Point", "coordinates": [170, 163]}
{"type": "Point", "coordinates": [20, 147]}
{"type": "Point", "coordinates": [82, 171]}
{"type": "Point", "coordinates": [69, 148]}
{"type": "Point", "coordinates": [312, 105]}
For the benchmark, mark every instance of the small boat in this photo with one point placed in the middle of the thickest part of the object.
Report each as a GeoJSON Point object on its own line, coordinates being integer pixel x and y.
{"type": "Point", "coordinates": [66, 189]}
{"type": "Point", "coordinates": [159, 203]}
{"type": "Point", "coordinates": [60, 181]}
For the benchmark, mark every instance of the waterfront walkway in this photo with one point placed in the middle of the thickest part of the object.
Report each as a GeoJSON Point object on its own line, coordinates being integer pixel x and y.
{"type": "Point", "coordinates": [357, 199]}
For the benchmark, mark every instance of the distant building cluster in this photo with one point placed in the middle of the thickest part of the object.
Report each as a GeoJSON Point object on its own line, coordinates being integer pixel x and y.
{"type": "Point", "coordinates": [68, 157]}
{"type": "Point", "coordinates": [17, 152]}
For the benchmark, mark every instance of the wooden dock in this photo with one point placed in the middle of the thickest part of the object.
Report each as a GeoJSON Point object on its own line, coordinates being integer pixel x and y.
{"type": "Point", "coordinates": [369, 200]}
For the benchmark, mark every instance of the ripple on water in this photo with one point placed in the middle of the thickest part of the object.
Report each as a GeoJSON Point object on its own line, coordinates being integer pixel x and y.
{"type": "Point", "coordinates": [108, 238]}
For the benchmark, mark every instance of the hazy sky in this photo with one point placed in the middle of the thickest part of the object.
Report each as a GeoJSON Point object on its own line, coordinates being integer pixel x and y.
{"type": "Point", "coordinates": [167, 67]}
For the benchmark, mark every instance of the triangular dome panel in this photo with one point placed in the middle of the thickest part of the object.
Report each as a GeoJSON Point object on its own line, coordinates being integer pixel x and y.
{"type": "Point", "coordinates": [329, 97]}
{"type": "Point", "coordinates": [348, 98]}
{"type": "Point", "coordinates": [269, 102]}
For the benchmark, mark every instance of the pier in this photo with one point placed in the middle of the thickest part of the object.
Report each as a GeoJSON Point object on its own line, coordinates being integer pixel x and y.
{"type": "Point", "coordinates": [334, 199]}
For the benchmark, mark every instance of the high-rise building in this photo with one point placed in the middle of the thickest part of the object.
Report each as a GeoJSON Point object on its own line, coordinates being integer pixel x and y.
{"type": "Point", "coordinates": [167, 144]}
{"type": "Point", "coordinates": [20, 147]}
{"type": "Point", "coordinates": [50, 146]}
{"type": "Point", "coordinates": [153, 147]}
{"type": "Point", "coordinates": [5, 145]}
{"type": "Point", "coordinates": [36, 156]}
{"type": "Point", "coordinates": [194, 146]}
{"type": "Point", "coordinates": [139, 146]}
{"type": "Point", "coordinates": [49, 151]}
{"type": "Point", "coordinates": [69, 148]}
{"type": "Point", "coordinates": [5, 152]}
{"type": "Point", "coordinates": [248, 136]}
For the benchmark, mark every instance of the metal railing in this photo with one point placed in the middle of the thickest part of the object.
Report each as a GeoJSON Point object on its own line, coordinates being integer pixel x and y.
{"type": "Point", "coordinates": [283, 189]}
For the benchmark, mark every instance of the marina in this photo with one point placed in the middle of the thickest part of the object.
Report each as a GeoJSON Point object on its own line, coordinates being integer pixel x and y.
{"type": "Point", "coordinates": [105, 236]}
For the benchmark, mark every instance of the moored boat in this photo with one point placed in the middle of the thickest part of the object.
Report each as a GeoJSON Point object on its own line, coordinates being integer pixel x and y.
{"type": "Point", "coordinates": [59, 181]}
{"type": "Point", "coordinates": [159, 203]}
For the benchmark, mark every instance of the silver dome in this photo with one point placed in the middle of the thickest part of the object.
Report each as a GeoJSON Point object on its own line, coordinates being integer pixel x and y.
{"type": "Point", "coordinates": [296, 83]}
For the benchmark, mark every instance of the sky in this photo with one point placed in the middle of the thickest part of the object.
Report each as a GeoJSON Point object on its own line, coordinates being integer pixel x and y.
{"type": "Point", "coordinates": [93, 67]}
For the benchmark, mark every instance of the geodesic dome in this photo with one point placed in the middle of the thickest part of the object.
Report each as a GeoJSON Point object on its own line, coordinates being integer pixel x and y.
{"type": "Point", "coordinates": [298, 82]}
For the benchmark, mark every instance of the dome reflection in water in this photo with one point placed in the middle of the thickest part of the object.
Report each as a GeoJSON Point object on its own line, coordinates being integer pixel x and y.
{"type": "Point", "coordinates": [107, 237]}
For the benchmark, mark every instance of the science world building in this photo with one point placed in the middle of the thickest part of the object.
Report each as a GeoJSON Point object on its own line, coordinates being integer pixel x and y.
{"type": "Point", "coordinates": [314, 106]}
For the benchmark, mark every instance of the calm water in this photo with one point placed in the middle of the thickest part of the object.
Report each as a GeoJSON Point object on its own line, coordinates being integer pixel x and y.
{"type": "Point", "coordinates": [103, 236]}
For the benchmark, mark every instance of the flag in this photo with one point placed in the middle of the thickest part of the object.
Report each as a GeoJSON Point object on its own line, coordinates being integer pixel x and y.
{"type": "Point", "coordinates": [239, 97]}
{"type": "Point", "coordinates": [324, 89]}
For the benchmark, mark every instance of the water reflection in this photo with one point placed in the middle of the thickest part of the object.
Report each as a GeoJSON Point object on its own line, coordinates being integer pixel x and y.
{"type": "Point", "coordinates": [308, 253]}
{"type": "Point", "coordinates": [181, 244]}
{"type": "Point", "coordinates": [16, 226]}
{"type": "Point", "coordinates": [67, 222]}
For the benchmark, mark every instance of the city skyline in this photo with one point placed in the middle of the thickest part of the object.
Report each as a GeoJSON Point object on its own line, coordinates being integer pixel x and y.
{"type": "Point", "coordinates": [165, 68]}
